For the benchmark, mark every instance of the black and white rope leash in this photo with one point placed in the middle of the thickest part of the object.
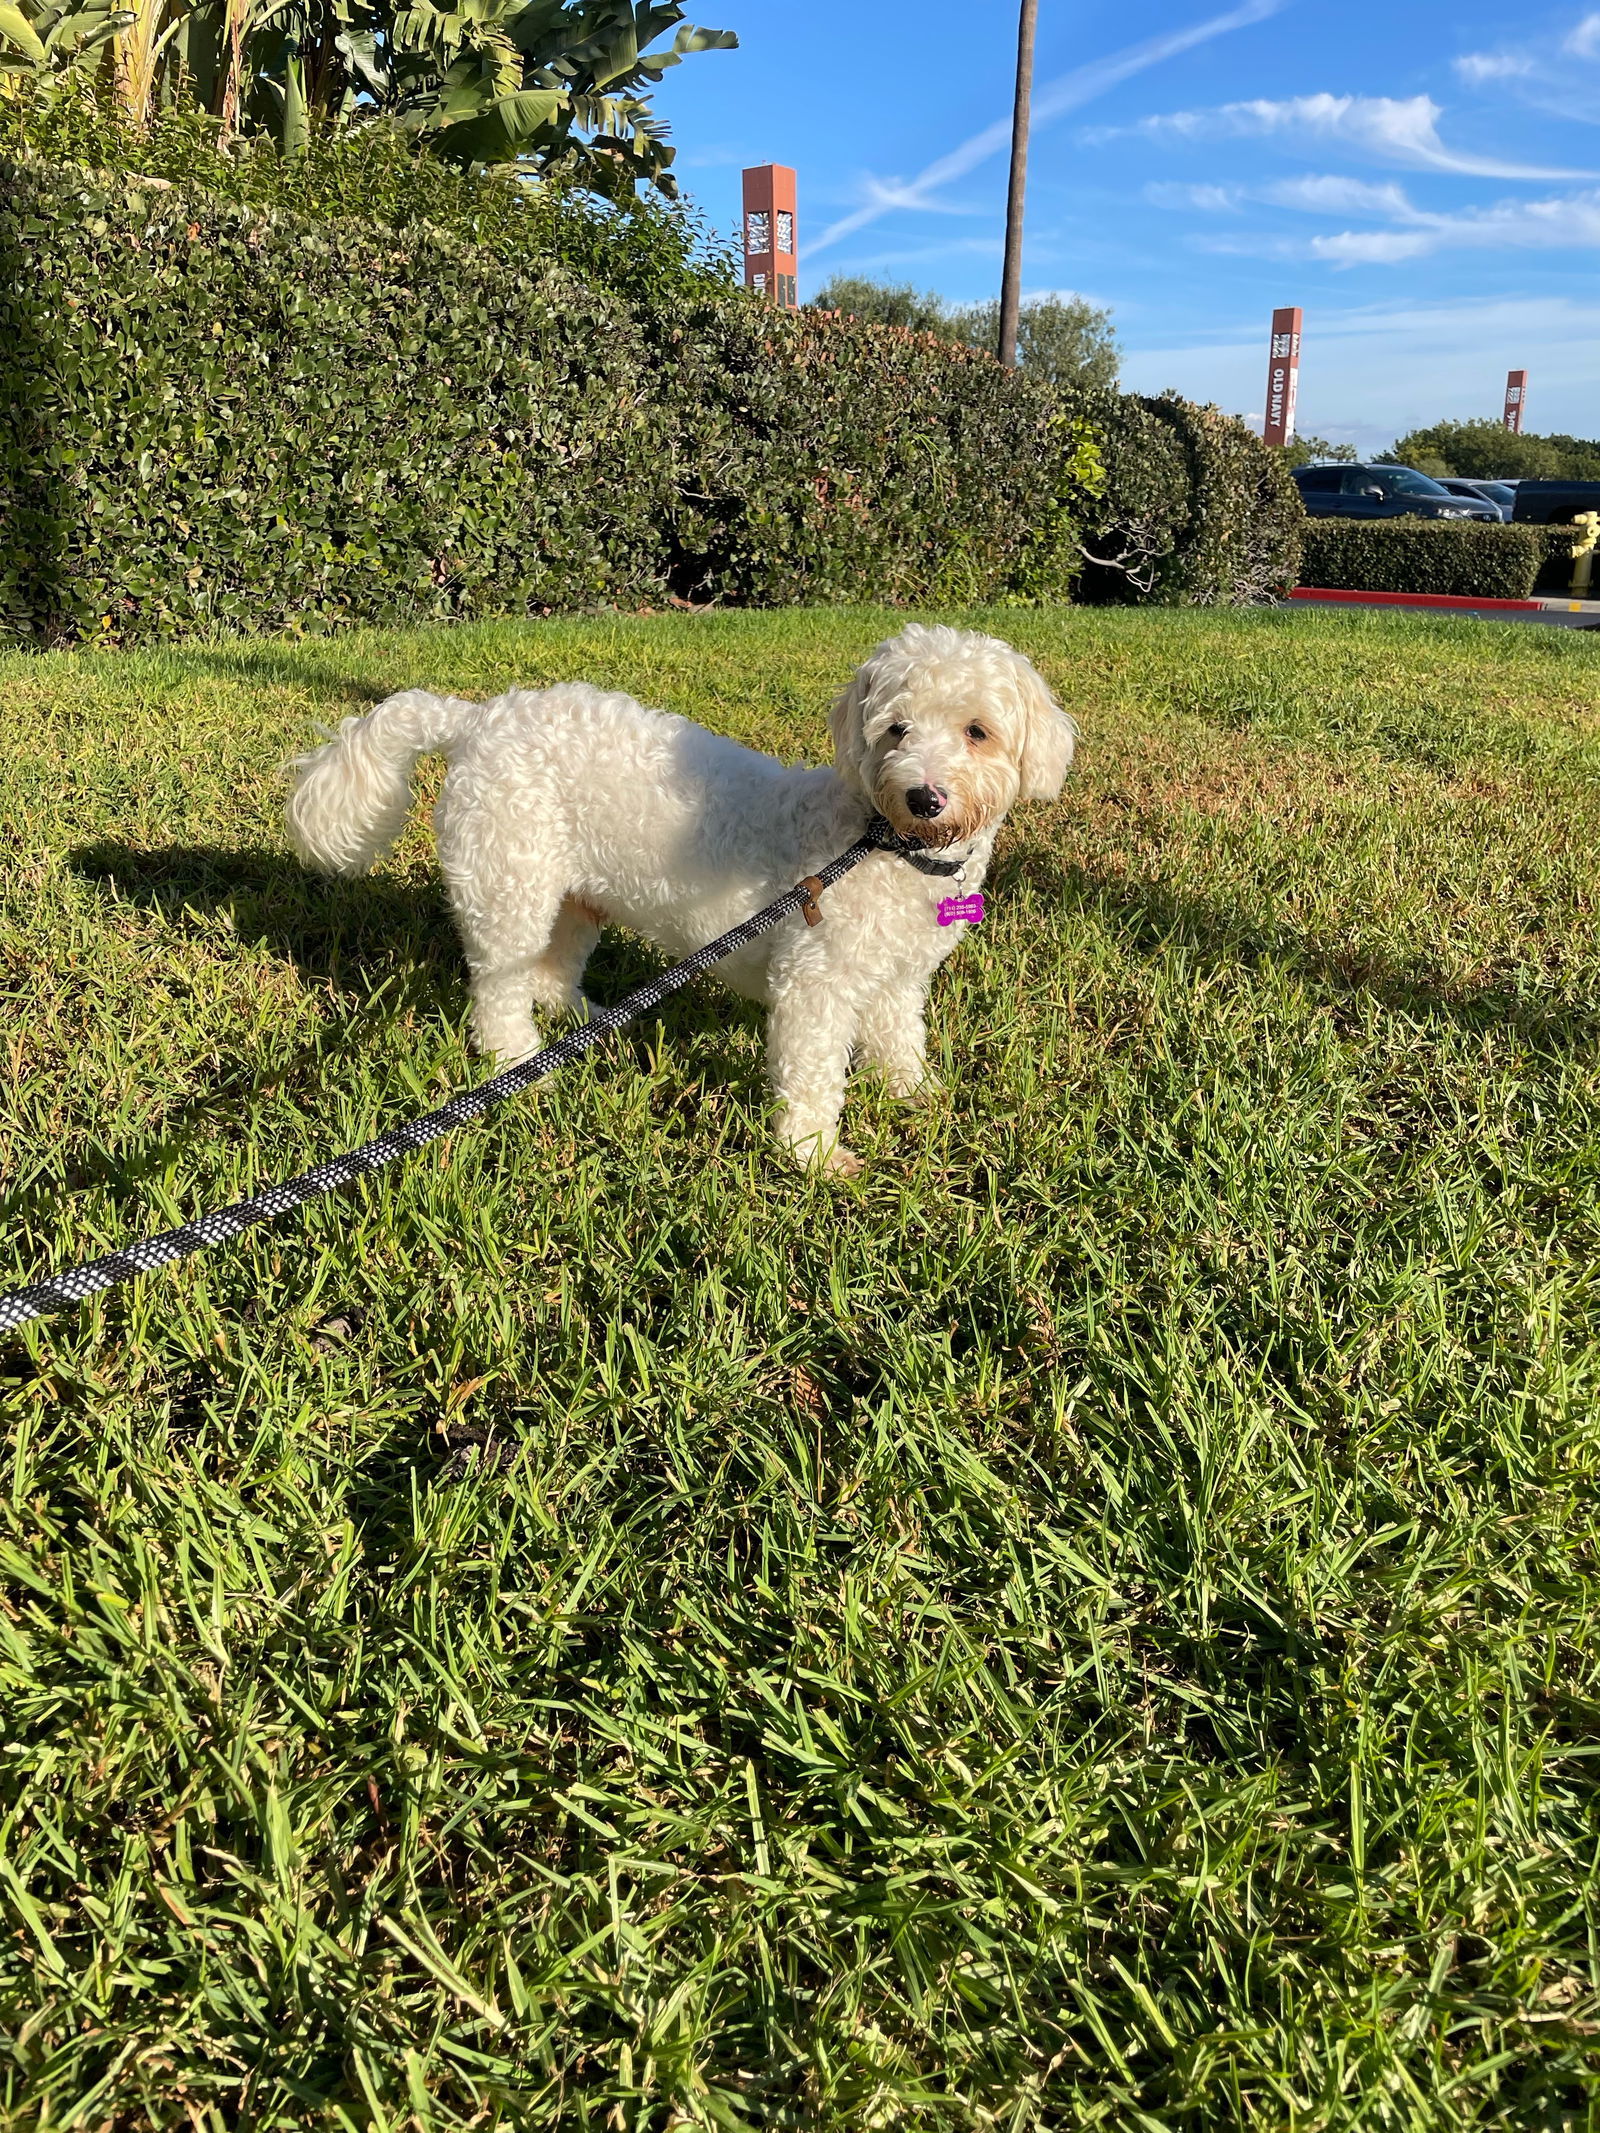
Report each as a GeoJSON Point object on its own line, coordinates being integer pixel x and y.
{"type": "Point", "coordinates": [79, 1282]}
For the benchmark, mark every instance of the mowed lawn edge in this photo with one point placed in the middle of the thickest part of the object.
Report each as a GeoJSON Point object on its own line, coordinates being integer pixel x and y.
{"type": "Point", "coordinates": [1091, 1623]}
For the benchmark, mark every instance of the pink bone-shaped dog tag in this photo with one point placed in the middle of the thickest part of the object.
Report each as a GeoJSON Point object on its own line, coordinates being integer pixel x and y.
{"type": "Point", "coordinates": [959, 907]}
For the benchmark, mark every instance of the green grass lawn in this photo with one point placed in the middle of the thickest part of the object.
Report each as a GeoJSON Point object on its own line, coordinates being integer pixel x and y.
{"type": "Point", "coordinates": [1092, 1623]}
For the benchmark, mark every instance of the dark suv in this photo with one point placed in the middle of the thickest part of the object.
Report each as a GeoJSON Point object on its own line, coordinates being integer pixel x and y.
{"type": "Point", "coordinates": [1554, 503]}
{"type": "Point", "coordinates": [1346, 491]}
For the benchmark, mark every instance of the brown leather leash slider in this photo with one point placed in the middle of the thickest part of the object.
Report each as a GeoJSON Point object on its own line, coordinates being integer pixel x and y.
{"type": "Point", "coordinates": [813, 886]}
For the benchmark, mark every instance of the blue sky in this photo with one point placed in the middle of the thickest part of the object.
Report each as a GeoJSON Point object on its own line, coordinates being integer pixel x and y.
{"type": "Point", "coordinates": [1424, 180]}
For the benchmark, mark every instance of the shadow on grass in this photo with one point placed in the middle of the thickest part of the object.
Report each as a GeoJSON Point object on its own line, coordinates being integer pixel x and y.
{"type": "Point", "coordinates": [355, 686]}
{"type": "Point", "coordinates": [352, 934]}
{"type": "Point", "coordinates": [386, 944]}
{"type": "Point", "coordinates": [290, 667]}
{"type": "Point", "coordinates": [1153, 918]}
{"type": "Point", "coordinates": [382, 947]}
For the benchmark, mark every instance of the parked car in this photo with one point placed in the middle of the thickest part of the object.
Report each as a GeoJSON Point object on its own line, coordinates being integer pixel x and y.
{"type": "Point", "coordinates": [1554, 503]}
{"type": "Point", "coordinates": [1501, 494]}
{"type": "Point", "coordinates": [1345, 491]}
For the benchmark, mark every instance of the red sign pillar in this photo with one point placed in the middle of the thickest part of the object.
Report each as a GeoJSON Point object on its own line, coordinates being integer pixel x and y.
{"type": "Point", "coordinates": [1283, 376]}
{"type": "Point", "coordinates": [1516, 394]}
{"type": "Point", "coordinates": [771, 260]}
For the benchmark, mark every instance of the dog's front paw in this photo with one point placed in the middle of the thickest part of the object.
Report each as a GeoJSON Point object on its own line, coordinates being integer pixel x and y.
{"type": "Point", "coordinates": [507, 1043]}
{"type": "Point", "coordinates": [819, 1147]}
{"type": "Point", "coordinates": [907, 1083]}
{"type": "Point", "coordinates": [567, 1004]}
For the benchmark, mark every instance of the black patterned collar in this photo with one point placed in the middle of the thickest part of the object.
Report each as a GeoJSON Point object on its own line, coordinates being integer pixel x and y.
{"type": "Point", "coordinates": [888, 839]}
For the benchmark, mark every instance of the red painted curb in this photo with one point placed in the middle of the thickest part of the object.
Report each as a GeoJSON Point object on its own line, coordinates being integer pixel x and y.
{"type": "Point", "coordinates": [1376, 599]}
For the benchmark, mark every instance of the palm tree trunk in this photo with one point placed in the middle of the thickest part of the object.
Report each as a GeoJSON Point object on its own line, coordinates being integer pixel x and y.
{"type": "Point", "coordinates": [1011, 278]}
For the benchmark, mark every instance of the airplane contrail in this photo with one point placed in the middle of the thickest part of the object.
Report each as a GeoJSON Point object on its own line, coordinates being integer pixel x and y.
{"type": "Point", "coordinates": [1065, 93]}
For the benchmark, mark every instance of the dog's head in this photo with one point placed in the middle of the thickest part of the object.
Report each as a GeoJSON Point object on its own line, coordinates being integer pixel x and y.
{"type": "Point", "coordinates": [941, 730]}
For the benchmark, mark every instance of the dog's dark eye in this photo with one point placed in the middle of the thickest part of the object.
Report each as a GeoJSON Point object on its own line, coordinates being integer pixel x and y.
{"type": "Point", "coordinates": [897, 733]}
{"type": "Point", "coordinates": [977, 733]}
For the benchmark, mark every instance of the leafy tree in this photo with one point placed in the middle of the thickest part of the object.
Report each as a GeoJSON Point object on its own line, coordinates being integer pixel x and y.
{"type": "Point", "coordinates": [1065, 339]}
{"type": "Point", "coordinates": [1579, 456]}
{"type": "Point", "coordinates": [1484, 451]}
{"type": "Point", "coordinates": [560, 85]}
{"type": "Point", "coordinates": [1300, 451]}
{"type": "Point", "coordinates": [496, 80]}
{"type": "Point", "coordinates": [884, 303]}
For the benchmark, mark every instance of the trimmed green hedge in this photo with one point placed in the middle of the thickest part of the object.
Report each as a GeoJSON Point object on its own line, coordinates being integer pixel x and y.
{"type": "Point", "coordinates": [1242, 538]}
{"type": "Point", "coordinates": [819, 458]}
{"type": "Point", "coordinates": [1195, 506]}
{"type": "Point", "coordinates": [244, 420]}
{"type": "Point", "coordinates": [1472, 558]}
{"type": "Point", "coordinates": [235, 420]}
{"type": "Point", "coordinates": [646, 246]}
{"type": "Point", "coordinates": [226, 416]}
{"type": "Point", "coordinates": [1146, 505]}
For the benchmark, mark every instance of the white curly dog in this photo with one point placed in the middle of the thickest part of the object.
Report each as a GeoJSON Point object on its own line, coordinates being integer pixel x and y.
{"type": "Point", "coordinates": [568, 808]}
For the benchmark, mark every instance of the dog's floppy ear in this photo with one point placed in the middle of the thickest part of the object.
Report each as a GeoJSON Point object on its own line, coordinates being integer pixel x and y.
{"type": "Point", "coordinates": [1048, 737]}
{"type": "Point", "coordinates": [847, 725]}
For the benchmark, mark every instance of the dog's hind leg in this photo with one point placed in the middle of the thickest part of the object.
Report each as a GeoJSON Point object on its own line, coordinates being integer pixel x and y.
{"type": "Point", "coordinates": [526, 941]}
{"type": "Point", "coordinates": [508, 916]}
{"type": "Point", "coordinates": [523, 954]}
{"type": "Point", "coordinates": [558, 972]}
{"type": "Point", "coordinates": [502, 999]}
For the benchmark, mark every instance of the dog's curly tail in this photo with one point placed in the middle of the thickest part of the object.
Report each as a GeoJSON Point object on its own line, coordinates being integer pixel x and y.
{"type": "Point", "coordinates": [351, 796]}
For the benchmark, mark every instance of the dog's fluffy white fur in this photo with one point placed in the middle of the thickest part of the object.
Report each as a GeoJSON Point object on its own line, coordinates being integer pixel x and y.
{"type": "Point", "coordinates": [569, 807]}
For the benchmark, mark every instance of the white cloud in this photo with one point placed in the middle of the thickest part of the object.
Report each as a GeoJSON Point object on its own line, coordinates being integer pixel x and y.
{"type": "Point", "coordinates": [1567, 223]}
{"type": "Point", "coordinates": [1068, 92]}
{"type": "Point", "coordinates": [1310, 195]}
{"type": "Point", "coordinates": [1205, 199]}
{"type": "Point", "coordinates": [1479, 67]}
{"type": "Point", "coordinates": [1568, 219]}
{"type": "Point", "coordinates": [1539, 71]}
{"type": "Point", "coordinates": [1393, 129]}
{"type": "Point", "coordinates": [1337, 196]}
{"type": "Point", "coordinates": [1564, 222]}
{"type": "Point", "coordinates": [1372, 248]}
{"type": "Point", "coordinates": [886, 194]}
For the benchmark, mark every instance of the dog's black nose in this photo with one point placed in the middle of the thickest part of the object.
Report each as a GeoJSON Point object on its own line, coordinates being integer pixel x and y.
{"type": "Point", "coordinates": [926, 801]}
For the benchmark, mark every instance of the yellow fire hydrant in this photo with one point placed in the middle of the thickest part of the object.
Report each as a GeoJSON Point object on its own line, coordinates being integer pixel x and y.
{"type": "Point", "coordinates": [1583, 553]}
